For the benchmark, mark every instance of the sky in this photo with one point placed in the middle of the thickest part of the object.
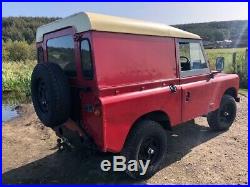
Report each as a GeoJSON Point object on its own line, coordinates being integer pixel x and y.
{"type": "Point", "coordinates": [168, 13]}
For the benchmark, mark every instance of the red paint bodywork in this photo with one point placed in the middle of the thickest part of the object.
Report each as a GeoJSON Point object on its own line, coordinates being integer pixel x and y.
{"type": "Point", "coordinates": [132, 74]}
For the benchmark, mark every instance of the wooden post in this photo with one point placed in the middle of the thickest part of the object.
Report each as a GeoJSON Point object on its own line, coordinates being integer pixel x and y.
{"type": "Point", "coordinates": [234, 63]}
{"type": "Point", "coordinates": [245, 67]}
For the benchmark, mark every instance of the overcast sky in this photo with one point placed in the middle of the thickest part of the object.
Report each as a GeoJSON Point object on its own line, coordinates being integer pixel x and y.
{"type": "Point", "coordinates": [168, 13]}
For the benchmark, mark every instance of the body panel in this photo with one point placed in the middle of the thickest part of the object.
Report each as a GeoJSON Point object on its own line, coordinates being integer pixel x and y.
{"type": "Point", "coordinates": [221, 83]}
{"type": "Point", "coordinates": [133, 77]}
{"type": "Point", "coordinates": [121, 112]}
{"type": "Point", "coordinates": [123, 59]}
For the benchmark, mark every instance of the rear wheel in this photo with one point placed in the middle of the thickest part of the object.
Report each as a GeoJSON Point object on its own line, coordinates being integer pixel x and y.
{"type": "Point", "coordinates": [223, 118]}
{"type": "Point", "coordinates": [147, 141]}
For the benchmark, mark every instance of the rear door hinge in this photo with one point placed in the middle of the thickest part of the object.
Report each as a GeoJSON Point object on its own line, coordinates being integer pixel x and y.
{"type": "Point", "coordinates": [77, 37]}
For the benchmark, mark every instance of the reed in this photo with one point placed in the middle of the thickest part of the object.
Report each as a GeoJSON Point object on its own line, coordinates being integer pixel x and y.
{"type": "Point", "coordinates": [16, 76]}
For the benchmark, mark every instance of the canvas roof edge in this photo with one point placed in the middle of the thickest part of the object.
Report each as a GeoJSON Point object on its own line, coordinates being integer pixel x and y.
{"type": "Point", "coordinates": [85, 21]}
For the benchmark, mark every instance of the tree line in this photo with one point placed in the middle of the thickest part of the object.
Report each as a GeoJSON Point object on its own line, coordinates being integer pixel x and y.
{"type": "Point", "coordinates": [18, 34]}
{"type": "Point", "coordinates": [22, 28]}
{"type": "Point", "coordinates": [236, 31]}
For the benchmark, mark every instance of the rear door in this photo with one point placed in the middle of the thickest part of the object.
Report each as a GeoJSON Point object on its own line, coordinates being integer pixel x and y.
{"type": "Point", "coordinates": [195, 81]}
{"type": "Point", "coordinates": [60, 48]}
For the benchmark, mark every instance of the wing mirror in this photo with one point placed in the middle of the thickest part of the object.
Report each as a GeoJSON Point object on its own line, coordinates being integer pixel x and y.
{"type": "Point", "coordinates": [219, 64]}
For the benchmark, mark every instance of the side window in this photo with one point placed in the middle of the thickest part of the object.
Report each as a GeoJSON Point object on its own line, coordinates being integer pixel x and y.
{"type": "Point", "coordinates": [86, 60]}
{"type": "Point", "coordinates": [61, 52]}
{"type": "Point", "coordinates": [191, 56]}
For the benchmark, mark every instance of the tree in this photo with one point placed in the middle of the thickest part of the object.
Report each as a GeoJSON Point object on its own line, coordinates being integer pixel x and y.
{"type": "Point", "coordinates": [218, 36]}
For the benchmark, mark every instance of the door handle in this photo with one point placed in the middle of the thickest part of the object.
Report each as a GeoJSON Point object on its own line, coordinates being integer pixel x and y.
{"type": "Point", "coordinates": [173, 88]}
{"type": "Point", "coordinates": [188, 95]}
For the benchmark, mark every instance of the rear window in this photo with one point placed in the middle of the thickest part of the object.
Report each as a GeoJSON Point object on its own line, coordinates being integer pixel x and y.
{"type": "Point", "coordinates": [61, 52]}
{"type": "Point", "coordinates": [86, 60]}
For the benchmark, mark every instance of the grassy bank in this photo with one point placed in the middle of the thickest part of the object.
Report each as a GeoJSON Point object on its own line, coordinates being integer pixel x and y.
{"type": "Point", "coordinates": [16, 76]}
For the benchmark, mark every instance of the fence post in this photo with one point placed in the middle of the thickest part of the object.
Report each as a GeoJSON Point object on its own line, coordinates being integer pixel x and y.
{"type": "Point", "coordinates": [234, 62]}
{"type": "Point", "coordinates": [246, 63]}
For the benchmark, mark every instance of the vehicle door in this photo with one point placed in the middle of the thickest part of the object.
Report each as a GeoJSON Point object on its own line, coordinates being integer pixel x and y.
{"type": "Point", "coordinates": [195, 79]}
{"type": "Point", "coordinates": [60, 48]}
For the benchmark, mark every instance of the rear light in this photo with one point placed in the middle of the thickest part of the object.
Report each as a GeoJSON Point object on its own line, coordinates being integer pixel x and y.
{"type": "Point", "coordinates": [94, 108]}
{"type": "Point", "coordinates": [98, 108]}
{"type": "Point", "coordinates": [97, 111]}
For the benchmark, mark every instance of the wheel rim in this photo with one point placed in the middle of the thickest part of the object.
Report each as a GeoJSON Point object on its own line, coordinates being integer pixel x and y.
{"type": "Point", "coordinates": [42, 96]}
{"type": "Point", "coordinates": [149, 150]}
{"type": "Point", "coordinates": [227, 114]}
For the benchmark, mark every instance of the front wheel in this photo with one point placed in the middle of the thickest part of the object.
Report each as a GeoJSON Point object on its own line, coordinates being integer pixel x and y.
{"type": "Point", "coordinates": [146, 143]}
{"type": "Point", "coordinates": [223, 118]}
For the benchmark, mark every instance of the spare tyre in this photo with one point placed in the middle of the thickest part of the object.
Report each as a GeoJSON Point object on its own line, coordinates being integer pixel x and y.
{"type": "Point", "coordinates": [50, 94]}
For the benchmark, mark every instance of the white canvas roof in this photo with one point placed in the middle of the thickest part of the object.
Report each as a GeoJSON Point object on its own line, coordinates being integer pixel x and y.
{"type": "Point", "coordinates": [98, 22]}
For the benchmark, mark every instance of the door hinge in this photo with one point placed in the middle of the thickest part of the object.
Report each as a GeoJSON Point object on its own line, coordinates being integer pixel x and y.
{"type": "Point", "coordinates": [77, 37]}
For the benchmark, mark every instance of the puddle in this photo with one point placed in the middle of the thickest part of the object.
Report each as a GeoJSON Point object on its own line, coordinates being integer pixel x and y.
{"type": "Point", "coordinates": [8, 112]}
{"type": "Point", "coordinates": [10, 103]}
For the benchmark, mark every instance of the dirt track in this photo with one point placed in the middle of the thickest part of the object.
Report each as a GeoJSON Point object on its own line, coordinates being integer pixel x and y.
{"type": "Point", "coordinates": [196, 155]}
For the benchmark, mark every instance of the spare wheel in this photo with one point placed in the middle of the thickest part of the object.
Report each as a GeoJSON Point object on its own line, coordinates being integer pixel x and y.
{"type": "Point", "coordinates": [50, 94]}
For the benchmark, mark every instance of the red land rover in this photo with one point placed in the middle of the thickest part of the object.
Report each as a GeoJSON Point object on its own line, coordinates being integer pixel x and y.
{"type": "Point", "coordinates": [124, 82]}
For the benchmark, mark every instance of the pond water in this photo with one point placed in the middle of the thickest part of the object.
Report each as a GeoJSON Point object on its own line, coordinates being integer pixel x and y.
{"type": "Point", "coordinates": [8, 112]}
{"type": "Point", "coordinates": [10, 103]}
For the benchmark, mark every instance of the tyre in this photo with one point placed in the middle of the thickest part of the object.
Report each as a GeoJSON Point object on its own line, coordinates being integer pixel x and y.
{"type": "Point", "coordinates": [50, 94]}
{"type": "Point", "coordinates": [147, 141]}
{"type": "Point", "coordinates": [223, 118]}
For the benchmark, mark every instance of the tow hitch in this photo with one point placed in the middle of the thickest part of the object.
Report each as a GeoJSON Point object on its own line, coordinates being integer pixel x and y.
{"type": "Point", "coordinates": [64, 144]}
{"type": "Point", "coordinates": [237, 99]}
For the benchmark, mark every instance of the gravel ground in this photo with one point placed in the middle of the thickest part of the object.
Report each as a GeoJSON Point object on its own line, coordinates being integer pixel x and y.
{"type": "Point", "coordinates": [196, 155]}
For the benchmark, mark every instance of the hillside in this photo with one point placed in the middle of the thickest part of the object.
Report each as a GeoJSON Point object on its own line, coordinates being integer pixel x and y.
{"type": "Point", "coordinates": [236, 31]}
{"type": "Point", "coordinates": [24, 28]}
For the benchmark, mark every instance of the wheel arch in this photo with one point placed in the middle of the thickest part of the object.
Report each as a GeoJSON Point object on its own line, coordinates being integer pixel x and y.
{"type": "Point", "coordinates": [158, 116]}
{"type": "Point", "coordinates": [232, 92]}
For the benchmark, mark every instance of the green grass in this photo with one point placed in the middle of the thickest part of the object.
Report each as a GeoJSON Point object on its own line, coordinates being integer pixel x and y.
{"type": "Point", "coordinates": [16, 76]}
{"type": "Point", "coordinates": [240, 67]}
{"type": "Point", "coordinates": [228, 55]}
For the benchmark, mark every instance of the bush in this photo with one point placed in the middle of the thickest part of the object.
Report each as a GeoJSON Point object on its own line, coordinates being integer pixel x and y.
{"type": "Point", "coordinates": [5, 52]}
{"type": "Point", "coordinates": [16, 76]}
{"type": "Point", "coordinates": [18, 51]}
